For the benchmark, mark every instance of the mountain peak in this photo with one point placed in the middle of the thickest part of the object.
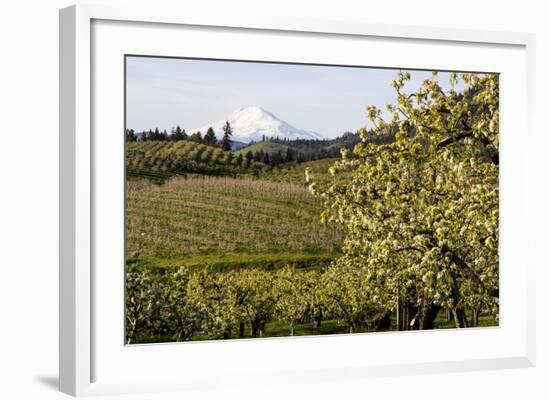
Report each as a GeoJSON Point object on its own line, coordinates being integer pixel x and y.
{"type": "Point", "coordinates": [253, 109]}
{"type": "Point", "coordinates": [252, 123]}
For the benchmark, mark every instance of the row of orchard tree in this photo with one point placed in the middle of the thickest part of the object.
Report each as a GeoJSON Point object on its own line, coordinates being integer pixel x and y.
{"type": "Point", "coordinates": [179, 134]}
{"type": "Point", "coordinates": [181, 305]}
{"type": "Point", "coordinates": [186, 157]}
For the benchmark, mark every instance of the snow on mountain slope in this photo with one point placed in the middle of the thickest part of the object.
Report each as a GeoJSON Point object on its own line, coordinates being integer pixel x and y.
{"type": "Point", "coordinates": [251, 123]}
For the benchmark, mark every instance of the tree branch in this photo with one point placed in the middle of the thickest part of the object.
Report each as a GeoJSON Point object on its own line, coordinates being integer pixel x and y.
{"type": "Point", "coordinates": [469, 272]}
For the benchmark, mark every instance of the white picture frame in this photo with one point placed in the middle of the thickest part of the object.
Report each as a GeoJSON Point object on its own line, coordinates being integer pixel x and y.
{"type": "Point", "coordinates": [83, 350]}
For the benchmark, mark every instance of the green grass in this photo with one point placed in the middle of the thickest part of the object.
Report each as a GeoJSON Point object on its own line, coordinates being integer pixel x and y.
{"type": "Point", "coordinates": [224, 262]}
{"type": "Point", "coordinates": [266, 147]}
{"type": "Point", "coordinates": [441, 321]}
{"type": "Point", "coordinates": [278, 329]}
{"type": "Point", "coordinates": [295, 172]}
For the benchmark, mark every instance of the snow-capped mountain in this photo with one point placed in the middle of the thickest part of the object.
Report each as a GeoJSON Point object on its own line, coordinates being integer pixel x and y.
{"type": "Point", "coordinates": [251, 123]}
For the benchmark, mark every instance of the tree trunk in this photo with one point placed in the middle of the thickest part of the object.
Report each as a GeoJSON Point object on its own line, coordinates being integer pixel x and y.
{"type": "Point", "coordinates": [460, 318]}
{"type": "Point", "coordinates": [427, 317]}
{"type": "Point", "coordinates": [475, 317]}
{"type": "Point", "coordinates": [458, 311]}
{"type": "Point", "coordinates": [241, 329]}
{"type": "Point", "coordinates": [406, 318]}
{"type": "Point", "coordinates": [319, 318]}
{"type": "Point", "coordinates": [413, 317]}
{"type": "Point", "coordinates": [398, 314]}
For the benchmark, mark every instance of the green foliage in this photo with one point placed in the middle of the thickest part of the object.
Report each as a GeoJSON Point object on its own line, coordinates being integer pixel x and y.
{"type": "Point", "coordinates": [183, 305]}
{"type": "Point", "coordinates": [303, 150]}
{"type": "Point", "coordinates": [178, 134]}
{"type": "Point", "coordinates": [210, 137]}
{"type": "Point", "coordinates": [266, 147]}
{"type": "Point", "coordinates": [295, 172]}
{"type": "Point", "coordinates": [348, 296]}
{"type": "Point", "coordinates": [289, 290]}
{"type": "Point", "coordinates": [254, 299]}
{"type": "Point", "coordinates": [226, 141]}
{"type": "Point", "coordinates": [422, 212]}
{"type": "Point", "coordinates": [158, 305]}
{"type": "Point", "coordinates": [130, 135]}
{"type": "Point", "coordinates": [213, 297]}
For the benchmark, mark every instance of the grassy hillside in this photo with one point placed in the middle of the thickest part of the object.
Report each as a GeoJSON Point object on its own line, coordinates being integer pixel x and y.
{"type": "Point", "coordinates": [295, 172]}
{"type": "Point", "coordinates": [159, 160]}
{"type": "Point", "coordinates": [266, 147]}
{"type": "Point", "coordinates": [226, 222]}
{"type": "Point", "coordinates": [305, 150]}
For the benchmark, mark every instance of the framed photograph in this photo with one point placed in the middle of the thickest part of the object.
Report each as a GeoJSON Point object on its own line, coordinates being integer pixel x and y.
{"type": "Point", "coordinates": [278, 200]}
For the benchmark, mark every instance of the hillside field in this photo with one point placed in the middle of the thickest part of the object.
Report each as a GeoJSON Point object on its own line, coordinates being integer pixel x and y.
{"type": "Point", "coordinates": [227, 222]}
{"type": "Point", "coordinates": [266, 147]}
{"type": "Point", "coordinates": [157, 161]}
{"type": "Point", "coordinates": [160, 160]}
{"type": "Point", "coordinates": [295, 172]}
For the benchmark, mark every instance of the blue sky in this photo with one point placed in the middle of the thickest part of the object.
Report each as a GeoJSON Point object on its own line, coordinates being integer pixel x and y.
{"type": "Point", "coordinates": [165, 92]}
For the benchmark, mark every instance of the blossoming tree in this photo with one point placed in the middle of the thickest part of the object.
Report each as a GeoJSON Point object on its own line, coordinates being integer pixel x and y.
{"type": "Point", "coordinates": [422, 212]}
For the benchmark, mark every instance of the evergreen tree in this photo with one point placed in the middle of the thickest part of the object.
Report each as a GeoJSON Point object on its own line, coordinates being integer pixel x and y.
{"type": "Point", "coordinates": [289, 155]}
{"type": "Point", "coordinates": [196, 137]}
{"type": "Point", "coordinates": [248, 157]}
{"type": "Point", "coordinates": [276, 158]}
{"type": "Point", "coordinates": [130, 135]}
{"type": "Point", "coordinates": [259, 155]}
{"type": "Point", "coordinates": [210, 137]}
{"type": "Point", "coordinates": [178, 134]}
{"type": "Point", "coordinates": [239, 160]}
{"type": "Point", "coordinates": [226, 140]}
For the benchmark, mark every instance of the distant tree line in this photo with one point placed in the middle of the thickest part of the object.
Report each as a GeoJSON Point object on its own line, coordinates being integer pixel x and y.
{"type": "Point", "coordinates": [315, 149]}
{"type": "Point", "coordinates": [298, 150]}
{"type": "Point", "coordinates": [272, 158]}
{"type": "Point", "coordinates": [179, 134]}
